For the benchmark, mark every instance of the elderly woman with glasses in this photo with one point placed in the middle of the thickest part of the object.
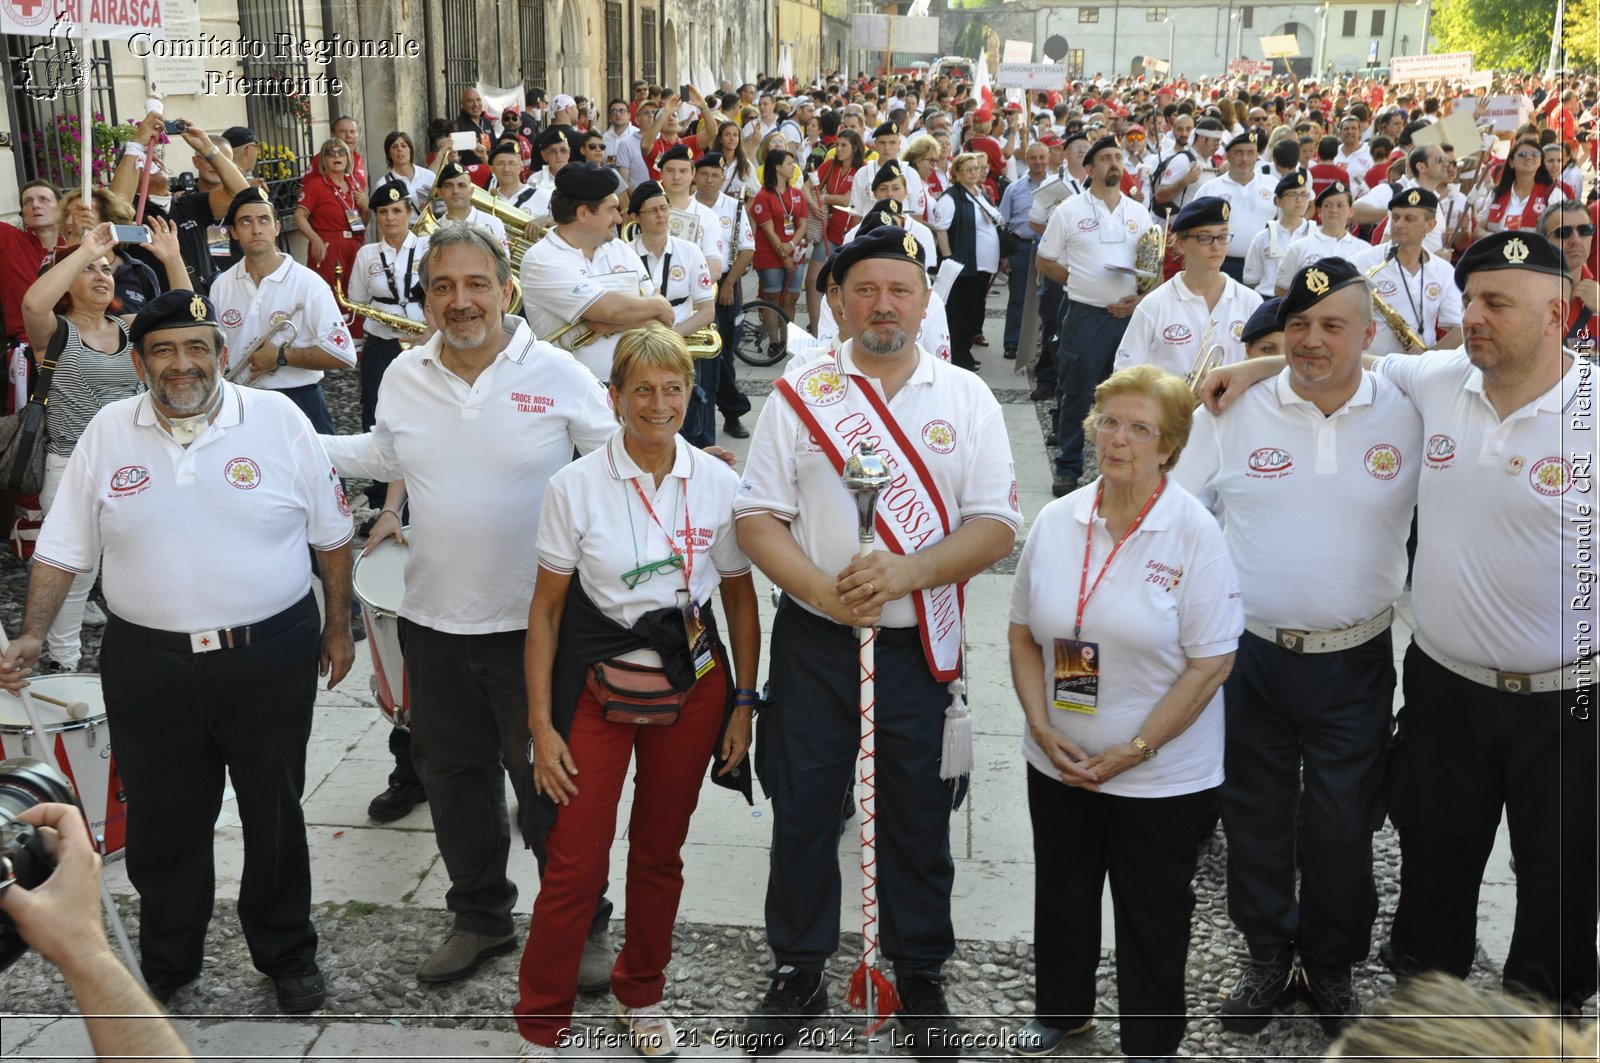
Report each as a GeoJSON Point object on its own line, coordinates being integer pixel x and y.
{"type": "Point", "coordinates": [633, 540]}
{"type": "Point", "coordinates": [332, 213]}
{"type": "Point", "coordinates": [1119, 679]}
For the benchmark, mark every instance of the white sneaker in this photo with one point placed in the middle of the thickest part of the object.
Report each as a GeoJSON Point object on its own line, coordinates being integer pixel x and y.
{"type": "Point", "coordinates": [93, 615]}
{"type": "Point", "coordinates": [532, 1051]}
{"type": "Point", "coordinates": [649, 1030]}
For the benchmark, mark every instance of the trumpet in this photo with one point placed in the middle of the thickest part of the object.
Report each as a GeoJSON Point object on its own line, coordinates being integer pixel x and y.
{"type": "Point", "coordinates": [582, 338]}
{"type": "Point", "coordinates": [1409, 340]}
{"type": "Point", "coordinates": [236, 371]}
{"type": "Point", "coordinates": [398, 322]}
{"type": "Point", "coordinates": [1207, 358]}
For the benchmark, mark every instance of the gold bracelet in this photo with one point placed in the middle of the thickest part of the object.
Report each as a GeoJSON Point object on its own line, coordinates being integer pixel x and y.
{"type": "Point", "coordinates": [1144, 747]}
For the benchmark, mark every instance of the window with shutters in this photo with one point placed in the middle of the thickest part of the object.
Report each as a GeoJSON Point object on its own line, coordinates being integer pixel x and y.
{"type": "Point", "coordinates": [535, 75]}
{"type": "Point", "coordinates": [1350, 23]}
{"type": "Point", "coordinates": [1377, 22]}
{"type": "Point", "coordinates": [460, 49]}
{"type": "Point", "coordinates": [1088, 14]}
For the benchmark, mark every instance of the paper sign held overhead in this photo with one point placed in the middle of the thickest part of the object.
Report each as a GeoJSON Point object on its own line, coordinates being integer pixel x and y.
{"type": "Point", "coordinates": [1428, 67]}
{"type": "Point", "coordinates": [1285, 46]}
{"type": "Point", "coordinates": [1030, 75]}
{"type": "Point", "coordinates": [1250, 67]}
{"type": "Point", "coordinates": [918, 36]}
{"type": "Point", "coordinates": [1505, 113]}
{"type": "Point", "coordinates": [1017, 52]}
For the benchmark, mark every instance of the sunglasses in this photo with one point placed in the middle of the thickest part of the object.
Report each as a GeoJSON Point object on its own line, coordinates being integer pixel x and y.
{"type": "Point", "coordinates": [1561, 232]}
{"type": "Point", "coordinates": [1523, 155]}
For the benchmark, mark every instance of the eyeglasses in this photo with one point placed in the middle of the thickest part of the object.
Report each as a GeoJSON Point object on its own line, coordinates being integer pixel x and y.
{"type": "Point", "coordinates": [1523, 155]}
{"type": "Point", "coordinates": [1206, 239]}
{"type": "Point", "coordinates": [633, 577]}
{"type": "Point", "coordinates": [1561, 232]}
{"type": "Point", "coordinates": [1138, 431]}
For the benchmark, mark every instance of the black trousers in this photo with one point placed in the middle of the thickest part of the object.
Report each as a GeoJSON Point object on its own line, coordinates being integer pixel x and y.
{"type": "Point", "coordinates": [1150, 847]}
{"type": "Point", "coordinates": [1050, 298]}
{"type": "Point", "coordinates": [377, 354]}
{"type": "Point", "coordinates": [964, 311]}
{"type": "Point", "coordinates": [184, 724]}
{"type": "Point", "coordinates": [731, 402]}
{"type": "Point", "coordinates": [1326, 717]}
{"type": "Point", "coordinates": [807, 747]}
{"type": "Point", "coordinates": [700, 419]}
{"type": "Point", "coordinates": [310, 399]}
{"type": "Point", "coordinates": [1088, 341]}
{"type": "Point", "coordinates": [1466, 752]}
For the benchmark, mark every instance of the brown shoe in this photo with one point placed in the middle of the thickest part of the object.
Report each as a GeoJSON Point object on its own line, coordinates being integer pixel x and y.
{"type": "Point", "coordinates": [461, 954]}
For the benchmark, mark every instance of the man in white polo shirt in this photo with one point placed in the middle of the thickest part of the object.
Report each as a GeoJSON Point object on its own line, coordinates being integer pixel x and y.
{"type": "Point", "coordinates": [475, 421]}
{"type": "Point", "coordinates": [677, 269]}
{"type": "Point", "coordinates": [1250, 195]}
{"type": "Point", "coordinates": [1411, 280]}
{"type": "Point", "coordinates": [207, 676]}
{"type": "Point", "coordinates": [582, 274]}
{"type": "Point", "coordinates": [1329, 452]}
{"type": "Point", "coordinates": [260, 296]}
{"type": "Point", "coordinates": [677, 182]}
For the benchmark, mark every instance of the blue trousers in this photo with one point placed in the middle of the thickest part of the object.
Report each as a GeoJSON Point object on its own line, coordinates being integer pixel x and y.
{"type": "Point", "coordinates": [1088, 345]}
{"type": "Point", "coordinates": [1017, 292]}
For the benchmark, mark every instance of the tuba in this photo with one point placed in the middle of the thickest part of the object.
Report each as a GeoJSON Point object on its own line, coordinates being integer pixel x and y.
{"type": "Point", "coordinates": [1148, 257]}
{"type": "Point", "coordinates": [1410, 342]}
{"type": "Point", "coordinates": [398, 322]}
{"type": "Point", "coordinates": [513, 219]}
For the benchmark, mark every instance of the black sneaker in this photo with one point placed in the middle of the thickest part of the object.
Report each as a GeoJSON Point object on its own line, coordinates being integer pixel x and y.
{"type": "Point", "coordinates": [396, 801]}
{"type": "Point", "coordinates": [1042, 392]}
{"type": "Point", "coordinates": [301, 993]}
{"type": "Point", "coordinates": [1010, 354]}
{"type": "Point", "coordinates": [925, 1017]}
{"type": "Point", "coordinates": [795, 997]}
{"type": "Point", "coordinates": [163, 987]}
{"type": "Point", "coordinates": [1331, 997]}
{"type": "Point", "coordinates": [1264, 988]}
{"type": "Point", "coordinates": [732, 426]}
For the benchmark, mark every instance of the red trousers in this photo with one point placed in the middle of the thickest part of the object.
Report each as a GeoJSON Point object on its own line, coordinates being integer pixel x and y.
{"type": "Point", "coordinates": [670, 765]}
{"type": "Point", "coordinates": [341, 252]}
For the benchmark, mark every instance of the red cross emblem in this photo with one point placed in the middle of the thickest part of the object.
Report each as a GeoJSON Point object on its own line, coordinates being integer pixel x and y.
{"type": "Point", "coordinates": [206, 641]}
{"type": "Point", "coordinates": [29, 7]}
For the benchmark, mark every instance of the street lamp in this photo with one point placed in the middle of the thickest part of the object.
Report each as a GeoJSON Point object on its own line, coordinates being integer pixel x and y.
{"type": "Point", "coordinates": [1322, 39]}
{"type": "Point", "coordinates": [1172, 38]}
{"type": "Point", "coordinates": [1238, 39]}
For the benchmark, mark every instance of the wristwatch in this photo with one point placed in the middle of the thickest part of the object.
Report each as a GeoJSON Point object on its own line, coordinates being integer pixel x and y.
{"type": "Point", "coordinates": [283, 355]}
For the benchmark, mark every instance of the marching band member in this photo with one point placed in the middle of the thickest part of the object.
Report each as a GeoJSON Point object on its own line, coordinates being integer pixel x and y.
{"type": "Point", "coordinates": [582, 274]}
{"type": "Point", "coordinates": [795, 520]}
{"type": "Point", "coordinates": [1179, 323]}
{"type": "Point", "coordinates": [1417, 285]}
{"type": "Point", "coordinates": [677, 184]}
{"type": "Point", "coordinates": [1267, 248]}
{"type": "Point", "coordinates": [1332, 237]}
{"type": "Point", "coordinates": [454, 188]}
{"type": "Point", "coordinates": [738, 236]}
{"type": "Point", "coordinates": [869, 180]}
{"type": "Point", "coordinates": [1263, 334]}
{"type": "Point", "coordinates": [934, 335]}
{"type": "Point", "coordinates": [505, 162]}
{"type": "Point", "coordinates": [263, 291]}
{"type": "Point", "coordinates": [1250, 195]}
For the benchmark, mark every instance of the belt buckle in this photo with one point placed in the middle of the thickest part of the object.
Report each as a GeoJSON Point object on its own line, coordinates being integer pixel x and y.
{"type": "Point", "coordinates": [1291, 640]}
{"type": "Point", "coordinates": [205, 641]}
{"type": "Point", "coordinates": [1513, 682]}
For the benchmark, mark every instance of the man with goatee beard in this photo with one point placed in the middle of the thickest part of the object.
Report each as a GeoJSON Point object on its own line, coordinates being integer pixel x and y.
{"type": "Point", "coordinates": [204, 496]}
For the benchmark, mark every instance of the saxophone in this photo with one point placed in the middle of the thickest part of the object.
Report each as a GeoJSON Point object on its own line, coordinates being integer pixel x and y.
{"type": "Point", "coordinates": [1409, 340]}
{"type": "Point", "coordinates": [395, 321]}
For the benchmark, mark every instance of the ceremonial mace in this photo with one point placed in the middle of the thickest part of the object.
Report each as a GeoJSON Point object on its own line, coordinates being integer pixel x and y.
{"type": "Point", "coordinates": [865, 475]}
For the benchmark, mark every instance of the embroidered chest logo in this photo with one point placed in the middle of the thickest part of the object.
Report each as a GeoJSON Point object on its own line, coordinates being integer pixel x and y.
{"type": "Point", "coordinates": [527, 402]}
{"type": "Point", "coordinates": [940, 436]}
{"type": "Point", "coordinates": [1016, 506]}
{"type": "Point", "coordinates": [1167, 577]}
{"type": "Point", "coordinates": [1441, 451]}
{"type": "Point", "coordinates": [1551, 476]}
{"type": "Point", "coordinates": [243, 474]}
{"type": "Point", "coordinates": [1433, 290]}
{"type": "Point", "coordinates": [1387, 288]}
{"type": "Point", "coordinates": [1087, 225]}
{"type": "Point", "coordinates": [1237, 329]}
{"type": "Point", "coordinates": [1268, 463]}
{"type": "Point", "coordinates": [1383, 461]}
{"type": "Point", "coordinates": [231, 318]}
{"type": "Point", "coordinates": [1177, 334]}
{"type": "Point", "coordinates": [130, 480]}
{"type": "Point", "coordinates": [677, 273]}
{"type": "Point", "coordinates": [822, 386]}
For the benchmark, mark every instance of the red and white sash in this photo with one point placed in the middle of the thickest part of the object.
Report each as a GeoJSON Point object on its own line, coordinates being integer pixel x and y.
{"type": "Point", "coordinates": [1529, 218]}
{"type": "Point", "coordinates": [841, 413]}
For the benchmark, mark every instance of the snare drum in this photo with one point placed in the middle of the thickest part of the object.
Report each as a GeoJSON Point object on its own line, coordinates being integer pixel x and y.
{"type": "Point", "coordinates": [380, 583]}
{"type": "Point", "coordinates": [82, 748]}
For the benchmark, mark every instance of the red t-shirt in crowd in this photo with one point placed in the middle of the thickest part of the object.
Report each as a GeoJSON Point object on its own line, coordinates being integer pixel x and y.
{"type": "Point", "coordinates": [786, 210]}
{"type": "Point", "coordinates": [1377, 175]}
{"type": "Point", "coordinates": [327, 207]}
{"type": "Point", "coordinates": [1324, 174]}
{"type": "Point", "coordinates": [21, 255]}
{"type": "Point", "coordinates": [834, 179]}
{"type": "Point", "coordinates": [659, 148]}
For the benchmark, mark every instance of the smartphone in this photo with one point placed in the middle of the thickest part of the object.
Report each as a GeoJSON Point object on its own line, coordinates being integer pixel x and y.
{"type": "Point", "coordinates": [683, 91]}
{"type": "Point", "coordinates": [177, 127]}
{"type": "Point", "coordinates": [130, 234]}
{"type": "Point", "coordinates": [464, 141]}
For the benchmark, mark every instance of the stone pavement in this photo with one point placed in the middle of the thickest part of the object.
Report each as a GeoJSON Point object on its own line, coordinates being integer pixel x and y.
{"type": "Point", "coordinates": [355, 860]}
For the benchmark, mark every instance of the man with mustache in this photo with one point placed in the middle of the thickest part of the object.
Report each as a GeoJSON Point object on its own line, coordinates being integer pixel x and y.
{"type": "Point", "coordinates": [206, 675]}
{"type": "Point", "coordinates": [942, 432]}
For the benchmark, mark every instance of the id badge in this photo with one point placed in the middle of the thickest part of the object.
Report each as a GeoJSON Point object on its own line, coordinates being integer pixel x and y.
{"type": "Point", "coordinates": [352, 218]}
{"type": "Point", "coordinates": [788, 228]}
{"type": "Point", "coordinates": [1077, 679]}
{"type": "Point", "coordinates": [696, 635]}
{"type": "Point", "coordinates": [217, 240]}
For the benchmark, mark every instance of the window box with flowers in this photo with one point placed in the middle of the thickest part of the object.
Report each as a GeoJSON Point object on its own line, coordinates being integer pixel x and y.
{"type": "Point", "coordinates": [279, 166]}
{"type": "Point", "coordinates": [58, 147]}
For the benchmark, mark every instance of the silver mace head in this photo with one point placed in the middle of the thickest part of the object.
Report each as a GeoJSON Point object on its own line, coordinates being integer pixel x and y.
{"type": "Point", "coordinates": [865, 474]}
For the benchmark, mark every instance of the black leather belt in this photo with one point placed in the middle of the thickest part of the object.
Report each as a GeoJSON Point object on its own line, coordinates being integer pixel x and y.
{"type": "Point", "coordinates": [225, 638]}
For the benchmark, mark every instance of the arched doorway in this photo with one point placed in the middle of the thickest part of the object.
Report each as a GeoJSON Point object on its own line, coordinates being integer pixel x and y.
{"type": "Point", "coordinates": [575, 56]}
{"type": "Point", "coordinates": [669, 55]}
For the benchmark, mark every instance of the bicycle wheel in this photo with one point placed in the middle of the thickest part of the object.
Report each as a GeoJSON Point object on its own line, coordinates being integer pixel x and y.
{"type": "Point", "coordinates": [752, 340]}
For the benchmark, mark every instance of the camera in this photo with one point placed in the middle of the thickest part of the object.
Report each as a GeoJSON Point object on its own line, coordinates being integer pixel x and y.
{"type": "Point", "coordinates": [183, 182]}
{"type": "Point", "coordinates": [24, 782]}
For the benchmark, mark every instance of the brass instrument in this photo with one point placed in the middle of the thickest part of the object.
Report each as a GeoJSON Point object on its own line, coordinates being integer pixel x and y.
{"type": "Point", "coordinates": [513, 219]}
{"type": "Point", "coordinates": [433, 216]}
{"type": "Point", "coordinates": [582, 338]}
{"type": "Point", "coordinates": [1207, 358]}
{"type": "Point", "coordinates": [1409, 340]}
{"type": "Point", "coordinates": [398, 322]}
{"type": "Point", "coordinates": [1148, 257]}
{"type": "Point", "coordinates": [704, 343]}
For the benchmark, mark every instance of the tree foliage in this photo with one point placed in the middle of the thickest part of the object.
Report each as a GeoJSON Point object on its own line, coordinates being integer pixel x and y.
{"type": "Point", "coordinates": [1502, 34]}
{"type": "Point", "coordinates": [1580, 33]}
{"type": "Point", "coordinates": [972, 38]}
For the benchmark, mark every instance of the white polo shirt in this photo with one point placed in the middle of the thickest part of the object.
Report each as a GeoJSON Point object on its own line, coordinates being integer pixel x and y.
{"type": "Point", "coordinates": [680, 275]}
{"type": "Point", "coordinates": [475, 459]}
{"type": "Point", "coordinates": [1315, 245]}
{"type": "Point", "coordinates": [791, 477]}
{"type": "Point", "coordinates": [738, 235]}
{"type": "Point", "coordinates": [487, 221]}
{"type": "Point", "coordinates": [1251, 207]}
{"type": "Point", "coordinates": [593, 523]}
{"type": "Point", "coordinates": [1169, 323]}
{"type": "Point", "coordinates": [933, 336]}
{"type": "Point", "coordinates": [419, 187]}
{"type": "Point", "coordinates": [1176, 171]}
{"type": "Point", "coordinates": [862, 197]}
{"type": "Point", "coordinates": [377, 271]}
{"type": "Point", "coordinates": [1170, 594]}
{"type": "Point", "coordinates": [710, 239]}
{"type": "Point", "coordinates": [1430, 292]}
{"type": "Point", "coordinates": [1284, 474]}
{"type": "Point", "coordinates": [294, 292]}
{"type": "Point", "coordinates": [1505, 511]}
{"type": "Point", "coordinates": [1356, 164]}
{"type": "Point", "coordinates": [557, 288]}
{"type": "Point", "coordinates": [1267, 249]}
{"type": "Point", "coordinates": [256, 485]}
{"type": "Point", "coordinates": [1087, 238]}
{"type": "Point", "coordinates": [623, 155]}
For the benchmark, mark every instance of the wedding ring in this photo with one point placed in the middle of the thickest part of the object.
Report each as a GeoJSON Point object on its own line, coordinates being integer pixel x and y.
{"type": "Point", "coordinates": [871, 588]}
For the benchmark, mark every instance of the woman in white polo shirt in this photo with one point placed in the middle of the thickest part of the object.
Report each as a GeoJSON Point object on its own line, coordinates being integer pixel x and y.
{"type": "Point", "coordinates": [1127, 668]}
{"type": "Point", "coordinates": [633, 539]}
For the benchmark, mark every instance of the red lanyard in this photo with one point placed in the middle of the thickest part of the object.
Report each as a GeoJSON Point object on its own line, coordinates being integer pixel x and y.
{"type": "Point", "coordinates": [1083, 598]}
{"type": "Point", "coordinates": [351, 205]}
{"type": "Point", "coordinates": [688, 539]}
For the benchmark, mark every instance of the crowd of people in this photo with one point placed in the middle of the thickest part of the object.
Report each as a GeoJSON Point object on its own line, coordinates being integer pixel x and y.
{"type": "Point", "coordinates": [1288, 317]}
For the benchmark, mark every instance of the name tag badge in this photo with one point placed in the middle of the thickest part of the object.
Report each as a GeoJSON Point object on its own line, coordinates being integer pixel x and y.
{"type": "Point", "coordinates": [696, 635]}
{"type": "Point", "coordinates": [1077, 680]}
{"type": "Point", "coordinates": [217, 240]}
{"type": "Point", "coordinates": [352, 218]}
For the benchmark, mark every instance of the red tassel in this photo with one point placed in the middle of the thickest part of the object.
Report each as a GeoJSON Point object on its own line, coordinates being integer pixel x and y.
{"type": "Point", "coordinates": [888, 998]}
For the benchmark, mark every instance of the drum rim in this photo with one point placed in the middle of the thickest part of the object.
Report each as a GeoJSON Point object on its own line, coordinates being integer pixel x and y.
{"type": "Point", "coordinates": [25, 727]}
{"type": "Point", "coordinates": [381, 611]}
